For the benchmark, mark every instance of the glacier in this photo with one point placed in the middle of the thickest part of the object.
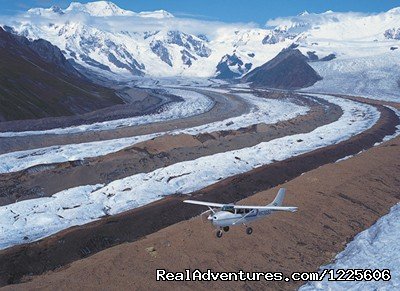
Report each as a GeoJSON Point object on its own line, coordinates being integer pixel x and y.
{"type": "Point", "coordinates": [193, 103]}
{"type": "Point", "coordinates": [33, 219]}
{"type": "Point", "coordinates": [262, 110]}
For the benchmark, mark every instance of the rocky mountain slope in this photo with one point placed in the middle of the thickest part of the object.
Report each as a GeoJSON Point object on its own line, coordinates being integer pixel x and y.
{"type": "Point", "coordinates": [37, 81]}
{"type": "Point", "coordinates": [288, 70]}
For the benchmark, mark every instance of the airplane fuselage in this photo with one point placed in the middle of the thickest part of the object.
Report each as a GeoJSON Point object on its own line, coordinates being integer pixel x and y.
{"type": "Point", "coordinates": [226, 218]}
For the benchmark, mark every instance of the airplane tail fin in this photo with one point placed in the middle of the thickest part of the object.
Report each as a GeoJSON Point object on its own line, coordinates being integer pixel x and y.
{"type": "Point", "coordinates": [279, 198]}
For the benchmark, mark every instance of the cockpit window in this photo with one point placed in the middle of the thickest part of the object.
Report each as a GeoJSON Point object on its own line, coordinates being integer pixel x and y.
{"type": "Point", "coordinates": [228, 208]}
{"type": "Point", "coordinates": [242, 211]}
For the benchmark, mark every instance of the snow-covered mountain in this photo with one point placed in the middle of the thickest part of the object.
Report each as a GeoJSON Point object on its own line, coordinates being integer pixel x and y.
{"type": "Point", "coordinates": [117, 43]}
{"type": "Point", "coordinates": [98, 8]}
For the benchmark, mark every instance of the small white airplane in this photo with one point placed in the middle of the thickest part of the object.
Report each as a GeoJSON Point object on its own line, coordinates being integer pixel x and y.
{"type": "Point", "coordinates": [230, 214]}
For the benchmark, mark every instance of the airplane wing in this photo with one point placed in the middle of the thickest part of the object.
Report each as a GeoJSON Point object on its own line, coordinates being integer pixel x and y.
{"type": "Point", "coordinates": [218, 205]}
{"type": "Point", "coordinates": [209, 204]}
{"type": "Point", "coordinates": [274, 208]}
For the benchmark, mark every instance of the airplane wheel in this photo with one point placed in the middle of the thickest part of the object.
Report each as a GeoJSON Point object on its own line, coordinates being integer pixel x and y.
{"type": "Point", "coordinates": [226, 228]}
{"type": "Point", "coordinates": [219, 233]}
{"type": "Point", "coordinates": [249, 230]}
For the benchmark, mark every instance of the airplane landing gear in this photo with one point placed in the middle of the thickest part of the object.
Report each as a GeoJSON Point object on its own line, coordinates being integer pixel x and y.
{"type": "Point", "coordinates": [219, 233]}
{"type": "Point", "coordinates": [249, 230]}
{"type": "Point", "coordinates": [226, 228]}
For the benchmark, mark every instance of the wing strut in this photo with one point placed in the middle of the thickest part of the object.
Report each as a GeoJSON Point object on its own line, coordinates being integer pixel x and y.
{"type": "Point", "coordinates": [243, 217]}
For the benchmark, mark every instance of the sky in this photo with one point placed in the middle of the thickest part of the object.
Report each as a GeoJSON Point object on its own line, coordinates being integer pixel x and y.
{"type": "Point", "coordinates": [258, 11]}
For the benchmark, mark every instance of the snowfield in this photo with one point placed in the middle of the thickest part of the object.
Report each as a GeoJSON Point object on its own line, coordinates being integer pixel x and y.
{"type": "Point", "coordinates": [375, 248]}
{"type": "Point", "coordinates": [30, 220]}
{"type": "Point", "coordinates": [376, 77]}
{"type": "Point", "coordinates": [194, 104]}
{"type": "Point", "coordinates": [262, 110]}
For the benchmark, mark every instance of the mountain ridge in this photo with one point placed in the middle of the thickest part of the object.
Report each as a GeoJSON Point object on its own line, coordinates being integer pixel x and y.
{"type": "Point", "coordinates": [124, 45]}
{"type": "Point", "coordinates": [36, 81]}
{"type": "Point", "coordinates": [288, 70]}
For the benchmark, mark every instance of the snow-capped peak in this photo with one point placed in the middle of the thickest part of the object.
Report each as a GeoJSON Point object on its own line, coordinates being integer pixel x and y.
{"type": "Point", "coordinates": [395, 10]}
{"type": "Point", "coordinates": [118, 42]}
{"type": "Point", "coordinates": [46, 11]}
{"type": "Point", "coordinates": [99, 8]}
{"type": "Point", "coordinates": [304, 13]}
{"type": "Point", "coordinates": [156, 14]}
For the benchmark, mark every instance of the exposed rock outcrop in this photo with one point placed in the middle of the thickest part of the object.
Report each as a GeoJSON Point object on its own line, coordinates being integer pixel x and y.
{"type": "Point", "coordinates": [288, 70]}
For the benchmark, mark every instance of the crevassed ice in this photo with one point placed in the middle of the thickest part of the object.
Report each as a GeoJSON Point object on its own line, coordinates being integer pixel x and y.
{"type": "Point", "coordinates": [263, 110]}
{"type": "Point", "coordinates": [23, 218]}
